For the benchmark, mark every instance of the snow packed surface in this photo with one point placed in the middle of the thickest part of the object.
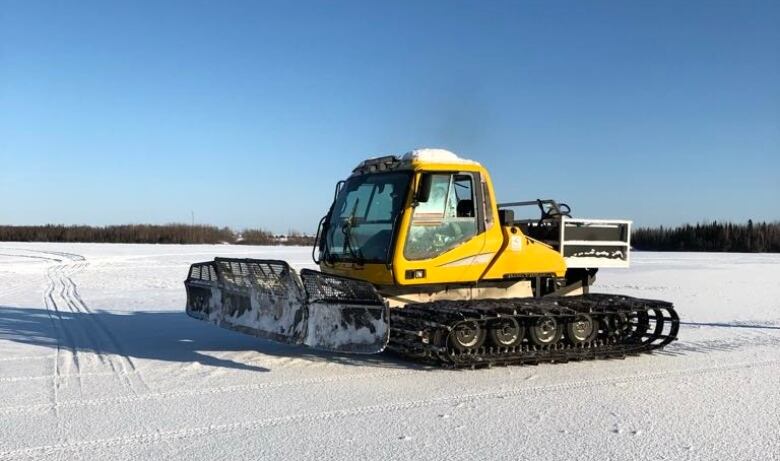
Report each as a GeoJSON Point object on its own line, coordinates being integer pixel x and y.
{"type": "Point", "coordinates": [99, 361]}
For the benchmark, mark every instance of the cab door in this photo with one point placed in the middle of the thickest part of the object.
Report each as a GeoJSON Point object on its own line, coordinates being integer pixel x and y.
{"type": "Point", "coordinates": [445, 239]}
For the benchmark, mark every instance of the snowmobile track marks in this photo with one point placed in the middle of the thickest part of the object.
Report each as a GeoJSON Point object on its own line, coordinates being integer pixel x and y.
{"type": "Point", "coordinates": [97, 334]}
{"type": "Point", "coordinates": [264, 386]}
{"type": "Point", "coordinates": [61, 298]}
{"type": "Point", "coordinates": [61, 377]}
{"type": "Point", "coordinates": [28, 357]}
{"type": "Point", "coordinates": [184, 433]}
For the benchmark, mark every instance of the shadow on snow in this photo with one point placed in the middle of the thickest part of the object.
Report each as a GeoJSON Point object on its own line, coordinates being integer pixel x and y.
{"type": "Point", "coordinates": [159, 335]}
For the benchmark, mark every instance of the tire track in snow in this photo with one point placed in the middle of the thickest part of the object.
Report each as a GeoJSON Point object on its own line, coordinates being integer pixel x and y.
{"type": "Point", "coordinates": [202, 391]}
{"type": "Point", "coordinates": [86, 328]}
{"type": "Point", "coordinates": [42, 258]}
{"type": "Point", "coordinates": [176, 434]}
{"type": "Point", "coordinates": [118, 360]}
{"type": "Point", "coordinates": [64, 377]}
{"type": "Point", "coordinates": [96, 332]}
{"type": "Point", "coordinates": [126, 363]}
{"type": "Point", "coordinates": [62, 336]}
{"type": "Point", "coordinates": [29, 357]}
{"type": "Point", "coordinates": [53, 310]}
{"type": "Point", "coordinates": [265, 386]}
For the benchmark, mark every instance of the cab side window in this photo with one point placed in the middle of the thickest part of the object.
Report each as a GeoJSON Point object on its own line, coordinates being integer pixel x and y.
{"type": "Point", "coordinates": [447, 219]}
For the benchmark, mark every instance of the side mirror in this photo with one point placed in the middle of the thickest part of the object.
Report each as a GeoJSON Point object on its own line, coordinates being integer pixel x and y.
{"type": "Point", "coordinates": [424, 188]}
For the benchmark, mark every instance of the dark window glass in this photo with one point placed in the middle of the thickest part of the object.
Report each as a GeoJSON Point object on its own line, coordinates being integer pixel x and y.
{"type": "Point", "coordinates": [361, 224]}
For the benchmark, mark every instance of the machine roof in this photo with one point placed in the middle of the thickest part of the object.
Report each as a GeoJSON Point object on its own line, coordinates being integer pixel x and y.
{"type": "Point", "coordinates": [413, 157]}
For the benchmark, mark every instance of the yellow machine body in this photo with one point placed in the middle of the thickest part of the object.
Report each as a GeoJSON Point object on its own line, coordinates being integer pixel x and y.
{"type": "Point", "coordinates": [487, 254]}
{"type": "Point", "coordinates": [424, 233]}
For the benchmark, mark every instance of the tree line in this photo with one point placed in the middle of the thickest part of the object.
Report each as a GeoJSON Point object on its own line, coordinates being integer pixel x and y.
{"type": "Point", "coordinates": [763, 237]}
{"type": "Point", "coordinates": [149, 233]}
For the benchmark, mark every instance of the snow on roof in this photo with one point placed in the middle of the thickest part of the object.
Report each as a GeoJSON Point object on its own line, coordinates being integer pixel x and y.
{"type": "Point", "coordinates": [435, 156]}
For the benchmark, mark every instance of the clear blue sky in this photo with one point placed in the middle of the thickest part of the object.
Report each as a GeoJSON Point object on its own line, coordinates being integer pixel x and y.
{"type": "Point", "coordinates": [247, 113]}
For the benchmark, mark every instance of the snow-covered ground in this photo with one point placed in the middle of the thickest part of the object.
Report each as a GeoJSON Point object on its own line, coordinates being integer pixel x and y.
{"type": "Point", "coordinates": [99, 361]}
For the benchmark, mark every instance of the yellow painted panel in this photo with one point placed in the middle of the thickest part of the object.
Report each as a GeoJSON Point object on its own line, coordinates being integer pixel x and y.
{"type": "Point", "coordinates": [524, 255]}
{"type": "Point", "coordinates": [377, 274]}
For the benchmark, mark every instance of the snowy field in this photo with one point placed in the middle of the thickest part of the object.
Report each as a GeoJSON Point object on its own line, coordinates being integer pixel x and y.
{"type": "Point", "coordinates": [99, 361]}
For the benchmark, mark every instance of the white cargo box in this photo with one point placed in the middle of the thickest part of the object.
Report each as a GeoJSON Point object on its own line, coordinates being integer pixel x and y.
{"type": "Point", "coordinates": [595, 243]}
{"type": "Point", "coordinates": [583, 243]}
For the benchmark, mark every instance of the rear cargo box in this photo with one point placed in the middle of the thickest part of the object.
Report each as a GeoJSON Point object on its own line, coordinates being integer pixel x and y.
{"type": "Point", "coordinates": [584, 243]}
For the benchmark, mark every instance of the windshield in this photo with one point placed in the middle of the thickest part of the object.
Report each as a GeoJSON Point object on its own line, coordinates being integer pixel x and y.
{"type": "Point", "coordinates": [361, 224]}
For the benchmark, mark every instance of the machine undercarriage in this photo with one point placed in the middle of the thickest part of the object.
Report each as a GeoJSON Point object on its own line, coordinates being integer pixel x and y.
{"type": "Point", "coordinates": [268, 299]}
{"type": "Point", "coordinates": [531, 330]}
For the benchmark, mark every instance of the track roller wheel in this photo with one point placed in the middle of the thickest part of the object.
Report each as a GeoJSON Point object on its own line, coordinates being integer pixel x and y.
{"type": "Point", "coordinates": [619, 325]}
{"type": "Point", "coordinates": [545, 331]}
{"type": "Point", "coordinates": [506, 332]}
{"type": "Point", "coordinates": [467, 335]}
{"type": "Point", "coordinates": [581, 329]}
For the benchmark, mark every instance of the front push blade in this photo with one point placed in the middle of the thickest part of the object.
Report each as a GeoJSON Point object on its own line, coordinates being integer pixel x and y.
{"type": "Point", "coordinates": [268, 299]}
{"type": "Point", "coordinates": [345, 315]}
{"type": "Point", "coordinates": [259, 297]}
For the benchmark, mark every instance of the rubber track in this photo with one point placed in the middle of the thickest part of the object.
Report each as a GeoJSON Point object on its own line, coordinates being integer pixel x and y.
{"type": "Point", "coordinates": [627, 326]}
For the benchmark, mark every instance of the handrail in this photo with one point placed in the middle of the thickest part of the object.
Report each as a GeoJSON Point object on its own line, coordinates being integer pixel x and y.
{"type": "Point", "coordinates": [529, 203]}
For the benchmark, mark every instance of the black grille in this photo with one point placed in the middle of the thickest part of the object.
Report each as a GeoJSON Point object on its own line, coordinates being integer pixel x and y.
{"type": "Point", "coordinates": [333, 289]}
{"type": "Point", "coordinates": [266, 274]}
{"type": "Point", "coordinates": [203, 271]}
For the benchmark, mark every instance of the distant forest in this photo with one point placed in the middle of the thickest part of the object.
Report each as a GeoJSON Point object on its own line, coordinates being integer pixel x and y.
{"type": "Point", "coordinates": [149, 233]}
{"type": "Point", "coordinates": [717, 237]}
